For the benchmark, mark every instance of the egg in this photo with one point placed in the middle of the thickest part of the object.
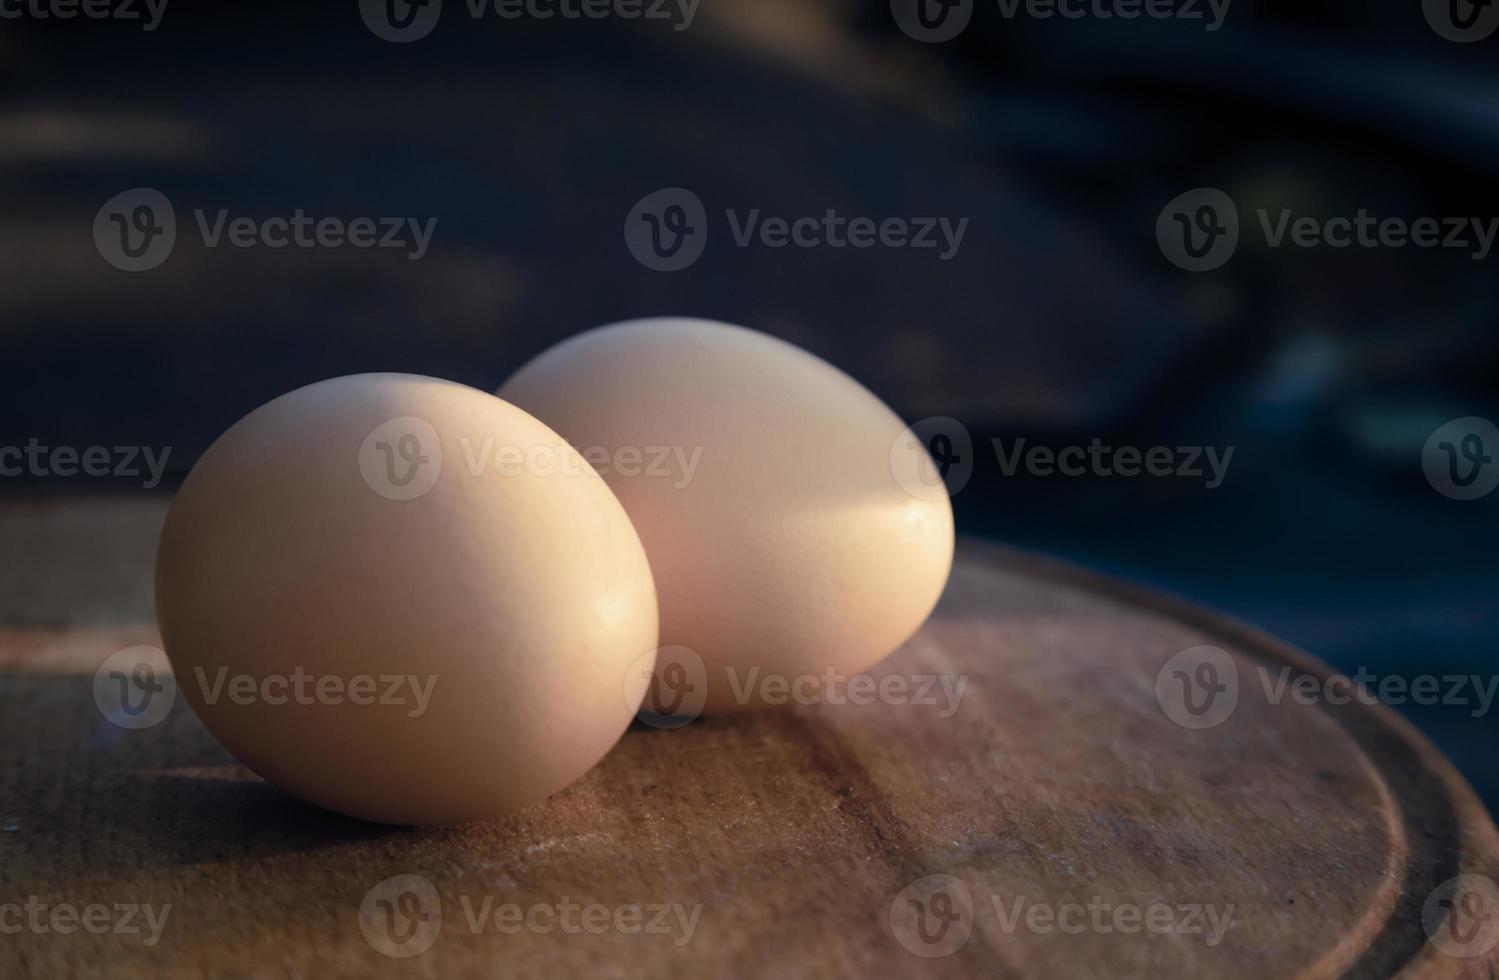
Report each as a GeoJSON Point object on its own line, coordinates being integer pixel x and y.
{"type": "Point", "coordinates": [405, 600]}
{"type": "Point", "coordinates": [789, 515]}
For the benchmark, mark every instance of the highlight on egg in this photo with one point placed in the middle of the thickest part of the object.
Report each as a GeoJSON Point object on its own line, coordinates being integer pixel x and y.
{"type": "Point", "coordinates": [405, 600]}
{"type": "Point", "coordinates": [791, 523]}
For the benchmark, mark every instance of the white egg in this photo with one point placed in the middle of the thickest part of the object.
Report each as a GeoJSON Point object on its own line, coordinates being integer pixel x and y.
{"type": "Point", "coordinates": [782, 505]}
{"type": "Point", "coordinates": [405, 600]}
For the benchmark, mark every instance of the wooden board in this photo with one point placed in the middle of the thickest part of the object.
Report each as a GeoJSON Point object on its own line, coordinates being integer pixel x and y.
{"type": "Point", "coordinates": [786, 844]}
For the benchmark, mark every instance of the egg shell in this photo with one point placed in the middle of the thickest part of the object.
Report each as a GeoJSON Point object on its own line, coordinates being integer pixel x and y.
{"type": "Point", "coordinates": [788, 525]}
{"type": "Point", "coordinates": [393, 526]}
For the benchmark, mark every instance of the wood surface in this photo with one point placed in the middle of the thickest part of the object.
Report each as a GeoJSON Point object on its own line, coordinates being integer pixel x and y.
{"type": "Point", "coordinates": [796, 835]}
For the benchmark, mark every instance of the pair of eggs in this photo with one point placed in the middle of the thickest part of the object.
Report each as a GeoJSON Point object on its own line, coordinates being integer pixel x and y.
{"type": "Point", "coordinates": [415, 602]}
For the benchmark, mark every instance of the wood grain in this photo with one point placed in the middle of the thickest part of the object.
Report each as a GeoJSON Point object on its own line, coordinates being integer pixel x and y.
{"type": "Point", "coordinates": [783, 844]}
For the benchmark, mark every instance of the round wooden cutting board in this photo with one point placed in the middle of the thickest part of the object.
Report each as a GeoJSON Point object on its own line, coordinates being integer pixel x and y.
{"type": "Point", "coordinates": [1064, 777]}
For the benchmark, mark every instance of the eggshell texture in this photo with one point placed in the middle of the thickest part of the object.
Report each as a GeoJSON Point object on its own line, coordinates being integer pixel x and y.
{"type": "Point", "coordinates": [421, 534]}
{"type": "Point", "coordinates": [796, 545]}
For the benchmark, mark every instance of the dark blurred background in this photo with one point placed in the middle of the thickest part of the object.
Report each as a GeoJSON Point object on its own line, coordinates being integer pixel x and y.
{"type": "Point", "coordinates": [1059, 320]}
